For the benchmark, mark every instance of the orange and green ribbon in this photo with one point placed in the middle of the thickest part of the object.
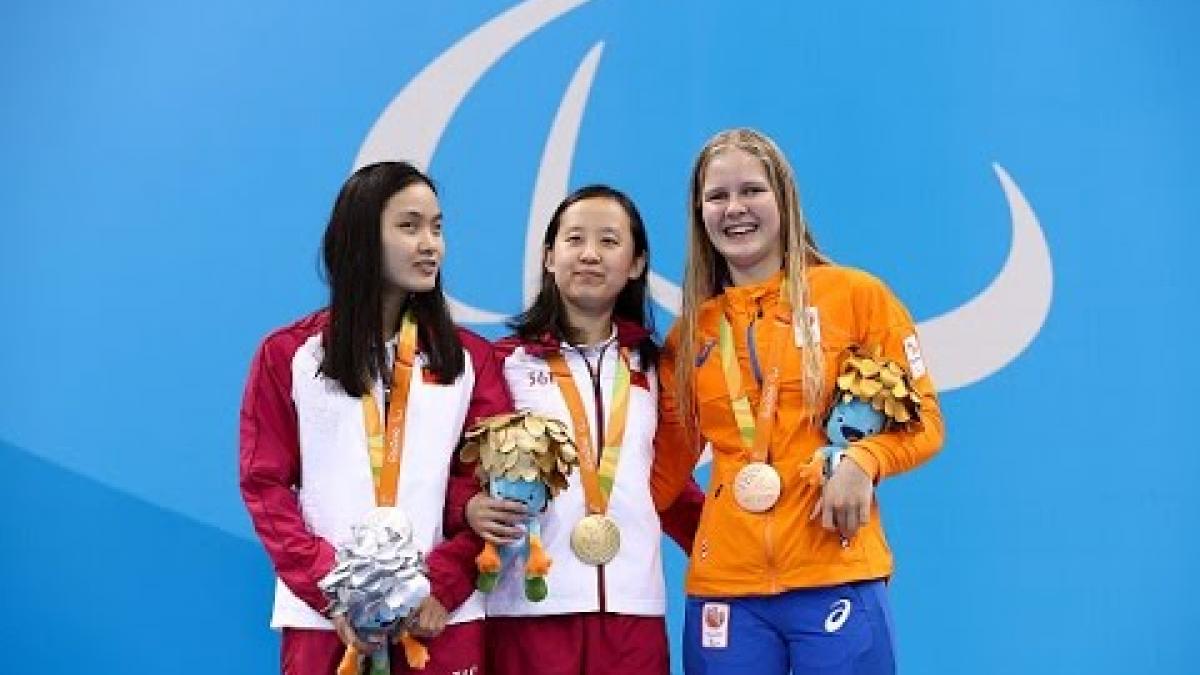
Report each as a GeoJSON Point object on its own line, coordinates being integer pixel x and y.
{"type": "Point", "coordinates": [597, 476]}
{"type": "Point", "coordinates": [755, 430]}
{"type": "Point", "coordinates": [386, 445]}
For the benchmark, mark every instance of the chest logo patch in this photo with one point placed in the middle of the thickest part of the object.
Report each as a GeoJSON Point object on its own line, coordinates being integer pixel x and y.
{"type": "Point", "coordinates": [916, 362]}
{"type": "Point", "coordinates": [813, 317]}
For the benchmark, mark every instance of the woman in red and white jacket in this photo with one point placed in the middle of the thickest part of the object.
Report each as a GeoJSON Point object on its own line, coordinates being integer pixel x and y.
{"type": "Point", "coordinates": [383, 360]}
{"type": "Point", "coordinates": [583, 353]}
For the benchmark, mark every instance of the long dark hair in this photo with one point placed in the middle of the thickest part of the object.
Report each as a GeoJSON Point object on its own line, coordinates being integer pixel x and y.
{"type": "Point", "coordinates": [546, 314]}
{"type": "Point", "coordinates": [353, 267]}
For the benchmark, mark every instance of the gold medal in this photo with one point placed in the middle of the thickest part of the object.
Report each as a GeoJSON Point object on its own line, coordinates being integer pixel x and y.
{"type": "Point", "coordinates": [596, 539]}
{"type": "Point", "coordinates": [756, 487]}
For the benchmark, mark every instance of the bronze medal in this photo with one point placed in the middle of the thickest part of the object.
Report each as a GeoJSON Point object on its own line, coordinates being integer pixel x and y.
{"type": "Point", "coordinates": [756, 487]}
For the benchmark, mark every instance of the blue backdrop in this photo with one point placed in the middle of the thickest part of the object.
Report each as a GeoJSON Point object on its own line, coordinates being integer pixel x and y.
{"type": "Point", "coordinates": [1021, 172]}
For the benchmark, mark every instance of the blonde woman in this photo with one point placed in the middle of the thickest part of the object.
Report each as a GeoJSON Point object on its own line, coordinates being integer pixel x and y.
{"type": "Point", "coordinates": [784, 575]}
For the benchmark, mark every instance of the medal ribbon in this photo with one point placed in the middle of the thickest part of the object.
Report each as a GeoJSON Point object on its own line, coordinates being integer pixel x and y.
{"type": "Point", "coordinates": [385, 446]}
{"type": "Point", "coordinates": [755, 430]}
{"type": "Point", "coordinates": [597, 477]}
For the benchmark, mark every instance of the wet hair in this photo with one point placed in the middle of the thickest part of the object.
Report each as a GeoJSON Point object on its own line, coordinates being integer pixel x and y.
{"type": "Point", "coordinates": [706, 272]}
{"type": "Point", "coordinates": [352, 256]}
{"type": "Point", "coordinates": [547, 315]}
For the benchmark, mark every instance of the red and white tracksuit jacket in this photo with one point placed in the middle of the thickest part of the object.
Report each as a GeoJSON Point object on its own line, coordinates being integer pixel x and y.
{"type": "Point", "coordinates": [632, 583]}
{"type": "Point", "coordinates": [305, 474]}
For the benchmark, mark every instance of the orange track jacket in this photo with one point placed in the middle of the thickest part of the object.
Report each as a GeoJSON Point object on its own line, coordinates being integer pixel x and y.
{"type": "Point", "coordinates": [739, 553]}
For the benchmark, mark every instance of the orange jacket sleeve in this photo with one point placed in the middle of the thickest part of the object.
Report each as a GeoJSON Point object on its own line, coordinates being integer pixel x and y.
{"type": "Point", "coordinates": [675, 454]}
{"type": "Point", "coordinates": [890, 326]}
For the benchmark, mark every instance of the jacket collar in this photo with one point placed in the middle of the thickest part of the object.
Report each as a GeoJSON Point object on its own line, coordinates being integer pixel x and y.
{"type": "Point", "coordinates": [629, 335]}
{"type": "Point", "coordinates": [748, 299]}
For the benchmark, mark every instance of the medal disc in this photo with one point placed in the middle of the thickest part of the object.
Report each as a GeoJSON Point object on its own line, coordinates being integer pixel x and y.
{"type": "Point", "coordinates": [756, 487]}
{"type": "Point", "coordinates": [596, 539]}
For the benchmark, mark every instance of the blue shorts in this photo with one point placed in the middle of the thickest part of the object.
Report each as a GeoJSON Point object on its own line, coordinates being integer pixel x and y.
{"type": "Point", "coordinates": [839, 630]}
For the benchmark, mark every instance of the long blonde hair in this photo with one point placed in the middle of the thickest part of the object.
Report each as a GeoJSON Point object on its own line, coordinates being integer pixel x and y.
{"type": "Point", "coordinates": [706, 273]}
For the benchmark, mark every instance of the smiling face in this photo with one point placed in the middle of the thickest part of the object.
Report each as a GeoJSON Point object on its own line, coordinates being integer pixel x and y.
{"type": "Point", "coordinates": [741, 215]}
{"type": "Point", "coordinates": [531, 493]}
{"type": "Point", "coordinates": [411, 234]}
{"type": "Point", "coordinates": [849, 422]}
{"type": "Point", "coordinates": [593, 256]}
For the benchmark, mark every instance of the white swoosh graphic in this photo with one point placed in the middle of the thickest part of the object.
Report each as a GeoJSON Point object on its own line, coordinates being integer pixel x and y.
{"type": "Point", "coordinates": [966, 345]}
{"type": "Point", "coordinates": [414, 122]}
{"type": "Point", "coordinates": [555, 170]}
{"type": "Point", "coordinates": [982, 336]}
{"type": "Point", "coordinates": [665, 293]}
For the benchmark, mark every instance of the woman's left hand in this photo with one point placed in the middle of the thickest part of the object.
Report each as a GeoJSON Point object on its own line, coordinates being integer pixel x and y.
{"type": "Point", "coordinates": [428, 619]}
{"type": "Point", "coordinates": [845, 503]}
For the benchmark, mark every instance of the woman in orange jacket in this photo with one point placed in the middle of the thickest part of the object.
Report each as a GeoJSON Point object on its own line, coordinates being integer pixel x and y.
{"type": "Point", "coordinates": [785, 573]}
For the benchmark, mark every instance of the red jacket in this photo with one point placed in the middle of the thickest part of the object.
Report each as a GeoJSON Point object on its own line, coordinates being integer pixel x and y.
{"type": "Point", "coordinates": [270, 470]}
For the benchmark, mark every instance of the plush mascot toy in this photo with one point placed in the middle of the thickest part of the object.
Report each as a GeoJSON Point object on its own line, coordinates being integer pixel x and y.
{"type": "Point", "coordinates": [378, 581]}
{"type": "Point", "coordinates": [873, 394]}
{"type": "Point", "coordinates": [526, 458]}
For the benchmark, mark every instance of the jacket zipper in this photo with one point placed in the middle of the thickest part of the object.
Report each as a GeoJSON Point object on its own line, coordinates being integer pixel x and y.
{"type": "Point", "coordinates": [768, 517]}
{"type": "Point", "coordinates": [598, 397]}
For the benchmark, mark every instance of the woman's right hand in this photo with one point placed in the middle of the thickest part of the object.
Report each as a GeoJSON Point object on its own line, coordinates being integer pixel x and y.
{"type": "Point", "coordinates": [497, 521]}
{"type": "Point", "coordinates": [350, 637]}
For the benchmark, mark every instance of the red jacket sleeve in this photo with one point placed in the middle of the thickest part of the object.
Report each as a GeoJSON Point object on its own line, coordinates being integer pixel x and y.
{"type": "Point", "coordinates": [681, 519]}
{"type": "Point", "coordinates": [269, 472]}
{"type": "Point", "coordinates": [452, 563]}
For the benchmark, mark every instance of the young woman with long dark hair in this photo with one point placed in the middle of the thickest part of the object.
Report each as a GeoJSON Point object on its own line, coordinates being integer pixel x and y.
{"type": "Point", "coordinates": [363, 404]}
{"type": "Point", "coordinates": [584, 353]}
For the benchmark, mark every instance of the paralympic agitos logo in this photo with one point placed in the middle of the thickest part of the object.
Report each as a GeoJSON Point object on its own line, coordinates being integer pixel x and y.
{"type": "Point", "coordinates": [966, 344]}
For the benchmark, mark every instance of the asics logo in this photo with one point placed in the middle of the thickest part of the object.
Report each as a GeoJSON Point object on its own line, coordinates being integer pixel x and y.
{"type": "Point", "coordinates": [839, 612]}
